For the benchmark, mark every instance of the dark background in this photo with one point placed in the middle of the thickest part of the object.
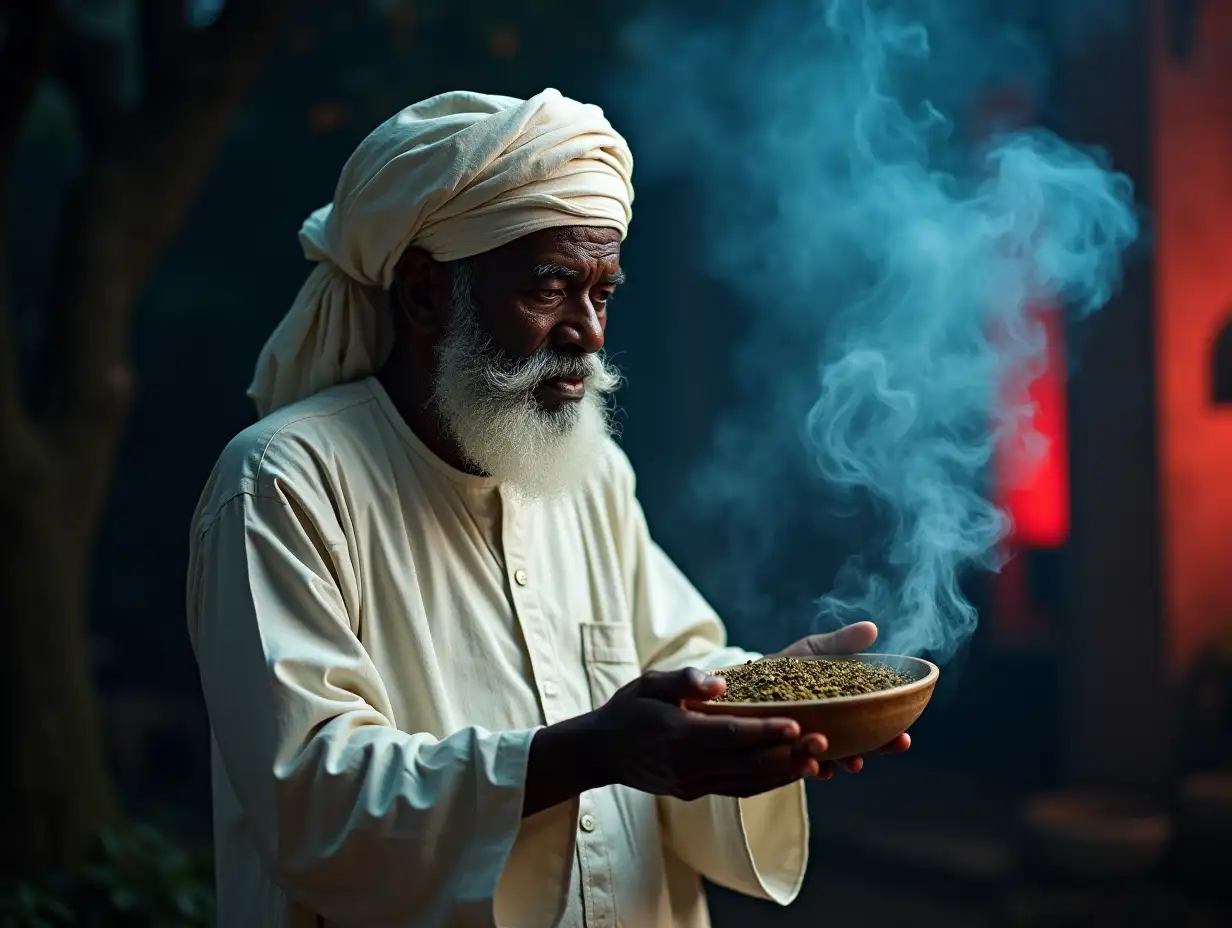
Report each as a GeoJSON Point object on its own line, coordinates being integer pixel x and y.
{"type": "Point", "coordinates": [1089, 703]}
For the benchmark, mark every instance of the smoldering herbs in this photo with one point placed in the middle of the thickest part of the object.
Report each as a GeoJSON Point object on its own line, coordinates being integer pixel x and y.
{"type": "Point", "coordinates": [789, 679]}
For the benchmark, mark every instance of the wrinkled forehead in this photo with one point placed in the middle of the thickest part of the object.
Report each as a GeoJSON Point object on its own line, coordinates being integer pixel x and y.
{"type": "Point", "coordinates": [583, 251]}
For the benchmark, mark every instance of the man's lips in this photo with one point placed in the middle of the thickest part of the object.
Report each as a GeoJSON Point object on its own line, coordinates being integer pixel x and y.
{"type": "Point", "coordinates": [564, 388]}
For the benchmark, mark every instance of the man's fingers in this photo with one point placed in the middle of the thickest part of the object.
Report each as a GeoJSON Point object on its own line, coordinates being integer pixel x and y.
{"type": "Point", "coordinates": [897, 746]}
{"type": "Point", "coordinates": [763, 772]}
{"type": "Point", "coordinates": [849, 640]}
{"type": "Point", "coordinates": [719, 732]}
{"type": "Point", "coordinates": [856, 764]}
{"type": "Point", "coordinates": [770, 760]}
{"type": "Point", "coordinates": [679, 685]}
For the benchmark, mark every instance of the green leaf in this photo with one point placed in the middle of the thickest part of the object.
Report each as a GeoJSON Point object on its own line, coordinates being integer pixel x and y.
{"type": "Point", "coordinates": [112, 843]}
{"type": "Point", "coordinates": [52, 118]}
{"type": "Point", "coordinates": [124, 899]}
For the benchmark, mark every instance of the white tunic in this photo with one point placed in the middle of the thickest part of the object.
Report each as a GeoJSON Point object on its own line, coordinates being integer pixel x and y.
{"type": "Point", "coordinates": [379, 637]}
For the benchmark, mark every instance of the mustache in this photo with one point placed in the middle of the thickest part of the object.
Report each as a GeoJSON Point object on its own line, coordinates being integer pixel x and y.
{"type": "Point", "coordinates": [524, 375]}
{"type": "Point", "coordinates": [471, 355]}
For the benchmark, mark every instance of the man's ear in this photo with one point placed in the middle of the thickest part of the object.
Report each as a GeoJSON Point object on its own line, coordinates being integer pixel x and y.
{"type": "Point", "coordinates": [420, 291]}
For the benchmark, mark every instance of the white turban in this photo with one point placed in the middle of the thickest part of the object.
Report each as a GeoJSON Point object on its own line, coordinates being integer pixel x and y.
{"type": "Point", "coordinates": [458, 174]}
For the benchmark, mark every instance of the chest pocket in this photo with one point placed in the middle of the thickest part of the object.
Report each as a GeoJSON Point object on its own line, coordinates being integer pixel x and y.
{"type": "Point", "coordinates": [610, 655]}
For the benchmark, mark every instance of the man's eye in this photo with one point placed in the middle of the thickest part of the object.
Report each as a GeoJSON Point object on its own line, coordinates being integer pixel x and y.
{"type": "Point", "coordinates": [551, 295]}
{"type": "Point", "coordinates": [603, 297]}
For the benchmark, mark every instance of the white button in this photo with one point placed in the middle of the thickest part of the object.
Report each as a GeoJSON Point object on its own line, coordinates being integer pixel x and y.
{"type": "Point", "coordinates": [549, 688]}
{"type": "Point", "coordinates": [519, 577]}
{"type": "Point", "coordinates": [587, 823]}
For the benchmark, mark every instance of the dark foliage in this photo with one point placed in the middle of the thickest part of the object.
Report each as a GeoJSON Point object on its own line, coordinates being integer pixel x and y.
{"type": "Point", "coordinates": [136, 878]}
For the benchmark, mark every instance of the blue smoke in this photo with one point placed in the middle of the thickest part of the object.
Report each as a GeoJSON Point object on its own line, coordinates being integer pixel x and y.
{"type": "Point", "coordinates": [888, 261]}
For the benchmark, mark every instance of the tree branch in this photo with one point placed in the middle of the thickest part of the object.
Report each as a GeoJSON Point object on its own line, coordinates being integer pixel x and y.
{"type": "Point", "coordinates": [130, 201]}
{"type": "Point", "coordinates": [25, 58]}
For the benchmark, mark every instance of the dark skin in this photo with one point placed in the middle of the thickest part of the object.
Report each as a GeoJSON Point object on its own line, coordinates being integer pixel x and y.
{"type": "Point", "coordinates": [563, 306]}
{"type": "Point", "coordinates": [551, 289]}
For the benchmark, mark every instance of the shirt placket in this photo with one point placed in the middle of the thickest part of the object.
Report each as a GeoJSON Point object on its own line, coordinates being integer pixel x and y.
{"type": "Point", "coordinates": [529, 612]}
{"type": "Point", "coordinates": [595, 870]}
{"type": "Point", "coordinates": [594, 859]}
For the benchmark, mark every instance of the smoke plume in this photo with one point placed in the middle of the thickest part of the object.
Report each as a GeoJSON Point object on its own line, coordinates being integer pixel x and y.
{"type": "Point", "coordinates": [889, 259]}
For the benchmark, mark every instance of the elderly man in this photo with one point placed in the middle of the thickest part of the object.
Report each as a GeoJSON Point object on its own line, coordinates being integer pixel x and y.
{"type": "Point", "coordinates": [444, 662]}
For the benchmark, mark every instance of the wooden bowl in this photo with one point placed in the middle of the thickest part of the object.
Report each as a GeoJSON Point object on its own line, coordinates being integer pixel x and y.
{"type": "Point", "coordinates": [852, 724]}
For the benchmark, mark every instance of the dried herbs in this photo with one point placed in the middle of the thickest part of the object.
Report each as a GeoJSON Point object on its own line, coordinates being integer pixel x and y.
{"type": "Point", "coordinates": [788, 679]}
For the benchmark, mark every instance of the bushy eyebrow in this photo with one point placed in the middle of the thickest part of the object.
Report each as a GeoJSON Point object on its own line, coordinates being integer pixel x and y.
{"type": "Point", "coordinates": [560, 272]}
{"type": "Point", "coordinates": [554, 272]}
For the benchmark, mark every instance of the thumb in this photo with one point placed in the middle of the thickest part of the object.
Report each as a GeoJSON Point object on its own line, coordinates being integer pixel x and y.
{"type": "Point", "coordinates": [681, 685]}
{"type": "Point", "coordinates": [851, 639]}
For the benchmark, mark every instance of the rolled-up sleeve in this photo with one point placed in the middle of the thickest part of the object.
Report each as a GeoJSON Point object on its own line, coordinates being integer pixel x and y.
{"type": "Point", "coordinates": [357, 820]}
{"type": "Point", "coordinates": [756, 846]}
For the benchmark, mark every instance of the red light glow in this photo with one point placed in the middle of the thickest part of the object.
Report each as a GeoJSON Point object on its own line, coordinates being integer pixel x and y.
{"type": "Point", "coordinates": [1033, 481]}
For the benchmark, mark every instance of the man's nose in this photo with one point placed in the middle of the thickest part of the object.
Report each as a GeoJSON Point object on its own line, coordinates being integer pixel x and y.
{"type": "Point", "coordinates": [582, 327]}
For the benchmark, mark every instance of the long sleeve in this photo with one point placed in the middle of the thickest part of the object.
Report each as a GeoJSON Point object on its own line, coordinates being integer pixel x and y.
{"type": "Point", "coordinates": [357, 820]}
{"type": "Point", "coordinates": [756, 846]}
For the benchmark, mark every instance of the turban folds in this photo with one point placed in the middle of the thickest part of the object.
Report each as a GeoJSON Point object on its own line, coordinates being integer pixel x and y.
{"type": "Point", "coordinates": [456, 175]}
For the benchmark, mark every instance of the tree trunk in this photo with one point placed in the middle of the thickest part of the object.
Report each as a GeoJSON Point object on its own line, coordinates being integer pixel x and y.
{"type": "Point", "coordinates": [56, 786]}
{"type": "Point", "coordinates": [57, 451]}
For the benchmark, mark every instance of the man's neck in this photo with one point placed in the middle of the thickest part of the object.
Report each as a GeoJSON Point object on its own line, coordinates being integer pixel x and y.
{"type": "Point", "coordinates": [416, 410]}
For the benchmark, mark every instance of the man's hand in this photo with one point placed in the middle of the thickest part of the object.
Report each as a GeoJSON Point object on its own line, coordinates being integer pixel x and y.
{"type": "Point", "coordinates": [645, 738]}
{"type": "Point", "coordinates": [652, 743]}
{"type": "Point", "coordinates": [850, 640]}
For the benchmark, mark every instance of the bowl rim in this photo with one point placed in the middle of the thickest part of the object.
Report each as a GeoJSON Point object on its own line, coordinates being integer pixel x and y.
{"type": "Point", "coordinates": [928, 681]}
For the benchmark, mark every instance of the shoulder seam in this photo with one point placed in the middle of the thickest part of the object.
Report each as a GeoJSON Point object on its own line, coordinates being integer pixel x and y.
{"type": "Point", "coordinates": [312, 415]}
{"type": "Point", "coordinates": [205, 528]}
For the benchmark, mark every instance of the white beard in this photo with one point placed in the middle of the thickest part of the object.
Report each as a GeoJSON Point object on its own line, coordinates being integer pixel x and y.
{"type": "Point", "coordinates": [487, 403]}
